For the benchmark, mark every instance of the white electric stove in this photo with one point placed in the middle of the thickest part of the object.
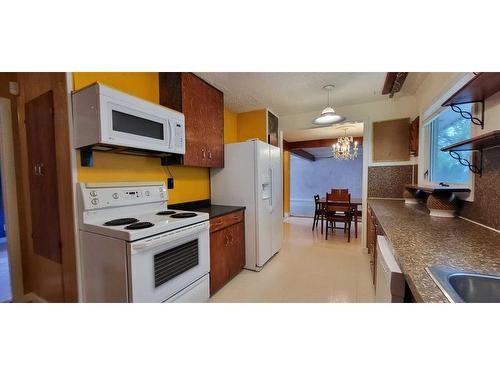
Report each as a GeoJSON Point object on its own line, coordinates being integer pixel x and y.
{"type": "Point", "coordinates": [135, 249]}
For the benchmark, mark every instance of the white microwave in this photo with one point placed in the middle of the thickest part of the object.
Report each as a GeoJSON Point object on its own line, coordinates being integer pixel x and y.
{"type": "Point", "coordinates": [105, 116]}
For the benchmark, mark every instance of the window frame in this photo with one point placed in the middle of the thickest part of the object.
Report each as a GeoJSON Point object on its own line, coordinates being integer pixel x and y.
{"type": "Point", "coordinates": [427, 137]}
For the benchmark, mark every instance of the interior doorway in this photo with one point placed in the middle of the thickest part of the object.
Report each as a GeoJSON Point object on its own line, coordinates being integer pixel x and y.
{"type": "Point", "coordinates": [315, 170]}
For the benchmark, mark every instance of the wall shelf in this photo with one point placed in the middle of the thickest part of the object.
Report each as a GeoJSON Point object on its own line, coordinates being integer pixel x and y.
{"type": "Point", "coordinates": [477, 90]}
{"type": "Point", "coordinates": [479, 143]}
{"type": "Point", "coordinates": [437, 189]}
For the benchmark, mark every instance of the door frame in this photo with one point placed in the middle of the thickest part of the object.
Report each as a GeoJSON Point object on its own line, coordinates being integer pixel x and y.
{"type": "Point", "coordinates": [9, 192]}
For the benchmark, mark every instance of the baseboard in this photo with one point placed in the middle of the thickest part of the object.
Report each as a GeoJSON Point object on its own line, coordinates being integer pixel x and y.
{"type": "Point", "coordinates": [33, 298]}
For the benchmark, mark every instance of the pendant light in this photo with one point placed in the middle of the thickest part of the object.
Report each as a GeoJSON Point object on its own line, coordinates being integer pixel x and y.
{"type": "Point", "coordinates": [328, 115]}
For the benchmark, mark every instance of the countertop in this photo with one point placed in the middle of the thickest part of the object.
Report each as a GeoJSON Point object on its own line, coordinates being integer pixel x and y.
{"type": "Point", "coordinates": [420, 240]}
{"type": "Point", "coordinates": [213, 210]}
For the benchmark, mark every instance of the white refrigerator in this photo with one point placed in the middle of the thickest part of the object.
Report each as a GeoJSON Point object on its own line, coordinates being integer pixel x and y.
{"type": "Point", "coordinates": [252, 177]}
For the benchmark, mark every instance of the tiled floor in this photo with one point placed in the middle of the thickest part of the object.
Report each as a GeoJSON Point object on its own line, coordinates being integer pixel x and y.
{"type": "Point", "coordinates": [5, 292]}
{"type": "Point", "coordinates": [307, 269]}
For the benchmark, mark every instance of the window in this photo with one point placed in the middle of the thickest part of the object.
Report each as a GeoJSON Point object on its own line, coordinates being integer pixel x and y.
{"type": "Point", "coordinates": [445, 129]}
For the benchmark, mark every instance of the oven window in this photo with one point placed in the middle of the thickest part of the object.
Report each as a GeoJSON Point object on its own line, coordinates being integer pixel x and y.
{"type": "Point", "coordinates": [123, 122]}
{"type": "Point", "coordinates": [171, 263]}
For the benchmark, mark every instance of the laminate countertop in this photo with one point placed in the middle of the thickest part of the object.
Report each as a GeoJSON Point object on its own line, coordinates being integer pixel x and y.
{"type": "Point", "coordinates": [420, 240]}
{"type": "Point", "coordinates": [213, 210]}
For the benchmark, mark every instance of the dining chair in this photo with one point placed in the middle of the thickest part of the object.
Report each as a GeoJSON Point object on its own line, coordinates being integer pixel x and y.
{"type": "Point", "coordinates": [318, 211]}
{"type": "Point", "coordinates": [340, 193]}
{"type": "Point", "coordinates": [338, 210]}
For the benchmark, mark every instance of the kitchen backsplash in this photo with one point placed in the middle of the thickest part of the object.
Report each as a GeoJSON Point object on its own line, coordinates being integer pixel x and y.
{"type": "Point", "coordinates": [389, 181]}
{"type": "Point", "coordinates": [486, 206]}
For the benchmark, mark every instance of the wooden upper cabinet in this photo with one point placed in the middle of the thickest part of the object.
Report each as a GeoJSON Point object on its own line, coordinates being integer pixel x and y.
{"type": "Point", "coordinates": [414, 136]}
{"type": "Point", "coordinates": [203, 108]}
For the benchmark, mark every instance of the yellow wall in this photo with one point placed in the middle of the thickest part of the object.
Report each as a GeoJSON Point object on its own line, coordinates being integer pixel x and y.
{"type": "Point", "coordinates": [142, 85]}
{"type": "Point", "coordinates": [286, 181]}
{"type": "Point", "coordinates": [230, 126]}
{"type": "Point", "coordinates": [190, 183]}
{"type": "Point", "coordinates": [252, 125]}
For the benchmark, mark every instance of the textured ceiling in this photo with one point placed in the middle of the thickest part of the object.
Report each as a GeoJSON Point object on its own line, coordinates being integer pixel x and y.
{"type": "Point", "coordinates": [293, 93]}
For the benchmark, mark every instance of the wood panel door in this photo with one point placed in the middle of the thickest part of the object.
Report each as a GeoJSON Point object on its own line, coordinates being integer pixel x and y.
{"type": "Point", "coordinates": [236, 249]}
{"type": "Point", "coordinates": [203, 108]}
{"type": "Point", "coordinates": [414, 134]}
{"type": "Point", "coordinates": [215, 128]}
{"type": "Point", "coordinates": [40, 134]}
{"type": "Point", "coordinates": [219, 268]}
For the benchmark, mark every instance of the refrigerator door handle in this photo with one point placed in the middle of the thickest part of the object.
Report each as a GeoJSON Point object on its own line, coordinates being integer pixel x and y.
{"type": "Point", "coordinates": [271, 188]}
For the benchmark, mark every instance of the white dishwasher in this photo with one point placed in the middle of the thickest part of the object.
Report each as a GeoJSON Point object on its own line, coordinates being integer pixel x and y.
{"type": "Point", "coordinates": [390, 284]}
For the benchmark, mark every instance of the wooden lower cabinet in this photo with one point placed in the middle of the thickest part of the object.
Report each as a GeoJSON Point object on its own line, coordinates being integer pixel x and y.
{"type": "Point", "coordinates": [227, 251]}
{"type": "Point", "coordinates": [374, 229]}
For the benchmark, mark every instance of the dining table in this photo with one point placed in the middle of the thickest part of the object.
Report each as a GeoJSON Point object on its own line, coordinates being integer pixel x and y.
{"type": "Point", "coordinates": [356, 204]}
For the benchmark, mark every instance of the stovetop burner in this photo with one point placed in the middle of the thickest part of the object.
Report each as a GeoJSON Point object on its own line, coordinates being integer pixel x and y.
{"type": "Point", "coordinates": [140, 225]}
{"type": "Point", "coordinates": [123, 221]}
{"type": "Point", "coordinates": [183, 215]}
{"type": "Point", "coordinates": [168, 212]}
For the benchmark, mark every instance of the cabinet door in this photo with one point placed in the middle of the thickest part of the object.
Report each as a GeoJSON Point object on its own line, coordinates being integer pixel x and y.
{"type": "Point", "coordinates": [239, 246]}
{"type": "Point", "coordinates": [219, 268]}
{"type": "Point", "coordinates": [203, 109]}
{"type": "Point", "coordinates": [215, 131]}
{"type": "Point", "coordinates": [414, 136]}
{"type": "Point", "coordinates": [235, 259]}
{"type": "Point", "coordinates": [43, 177]}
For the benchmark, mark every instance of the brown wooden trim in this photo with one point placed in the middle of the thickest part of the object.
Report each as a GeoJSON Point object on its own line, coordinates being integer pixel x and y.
{"type": "Point", "coordinates": [303, 154]}
{"type": "Point", "coordinates": [19, 155]}
{"type": "Point", "coordinates": [288, 146]}
{"type": "Point", "coordinates": [393, 82]}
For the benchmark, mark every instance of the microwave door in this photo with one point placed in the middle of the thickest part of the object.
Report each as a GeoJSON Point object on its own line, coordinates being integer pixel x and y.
{"type": "Point", "coordinates": [133, 128]}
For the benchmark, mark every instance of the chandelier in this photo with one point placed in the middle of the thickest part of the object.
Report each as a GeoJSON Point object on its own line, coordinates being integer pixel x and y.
{"type": "Point", "coordinates": [342, 150]}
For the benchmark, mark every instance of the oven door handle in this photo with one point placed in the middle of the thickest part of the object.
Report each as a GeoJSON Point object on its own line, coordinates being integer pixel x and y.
{"type": "Point", "coordinates": [145, 245]}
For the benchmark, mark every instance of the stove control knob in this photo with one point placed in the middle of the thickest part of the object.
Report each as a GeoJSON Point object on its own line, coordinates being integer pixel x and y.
{"type": "Point", "coordinates": [147, 193]}
{"type": "Point", "coordinates": [94, 201]}
{"type": "Point", "coordinates": [93, 193]}
{"type": "Point", "coordinates": [115, 195]}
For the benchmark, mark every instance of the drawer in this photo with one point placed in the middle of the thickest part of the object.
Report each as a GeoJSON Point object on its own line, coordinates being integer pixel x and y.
{"type": "Point", "coordinates": [221, 222]}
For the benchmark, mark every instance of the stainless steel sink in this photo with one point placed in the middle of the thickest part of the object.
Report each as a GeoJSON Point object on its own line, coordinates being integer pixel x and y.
{"type": "Point", "coordinates": [460, 286]}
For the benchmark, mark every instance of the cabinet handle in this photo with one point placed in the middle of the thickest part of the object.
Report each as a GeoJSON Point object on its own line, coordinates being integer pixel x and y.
{"type": "Point", "coordinates": [38, 169]}
{"type": "Point", "coordinates": [203, 153]}
{"type": "Point", "coordinates": [209, 154]}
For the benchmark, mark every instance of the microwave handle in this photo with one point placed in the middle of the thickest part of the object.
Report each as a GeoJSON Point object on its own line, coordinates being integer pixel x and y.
{"type": "Point", "coordinates": [171, 133]}
{"type": "Point", "coordinates": [145, 245]}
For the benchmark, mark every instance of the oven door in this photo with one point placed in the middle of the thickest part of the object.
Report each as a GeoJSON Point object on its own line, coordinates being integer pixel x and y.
{"type": "Point", "coordinates": [127, 125]}
{"type": "Point", "coordinates": [163, 265]}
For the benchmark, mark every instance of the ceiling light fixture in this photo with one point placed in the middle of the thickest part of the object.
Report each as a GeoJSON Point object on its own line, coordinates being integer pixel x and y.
{"type": "Point", "coordinates": [328, 115]}
{"type": "Point", "coordinates": [342, 149]}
